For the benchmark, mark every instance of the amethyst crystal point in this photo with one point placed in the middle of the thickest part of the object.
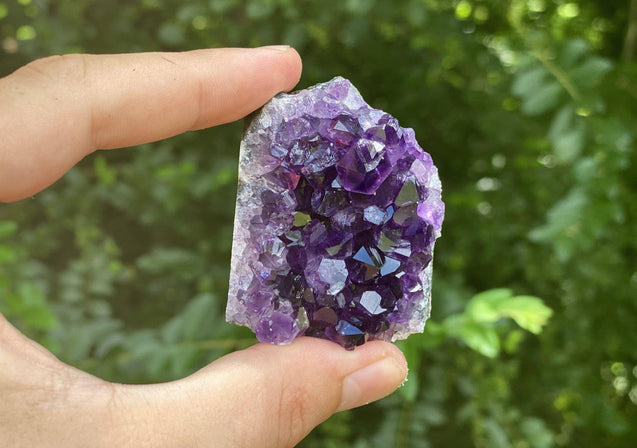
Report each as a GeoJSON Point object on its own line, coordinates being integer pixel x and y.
{"type": "Point", "coordinates": [338, 209]}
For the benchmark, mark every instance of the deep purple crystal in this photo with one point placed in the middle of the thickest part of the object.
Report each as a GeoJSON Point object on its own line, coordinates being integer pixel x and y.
{"type": "Point", "coordinates": [338, 209]}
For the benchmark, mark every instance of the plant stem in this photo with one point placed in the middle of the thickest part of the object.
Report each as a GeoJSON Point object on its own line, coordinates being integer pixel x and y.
{"type": "Point", "coordinates": [628, 52]}
{"type": "Point", "coordinates": [559, 74]}
{"type": "Point", "coordinates": [404, 422]}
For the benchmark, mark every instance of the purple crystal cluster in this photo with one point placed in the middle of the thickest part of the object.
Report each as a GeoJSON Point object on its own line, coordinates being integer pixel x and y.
{"type": "Point", "coordinates": [338, 209]}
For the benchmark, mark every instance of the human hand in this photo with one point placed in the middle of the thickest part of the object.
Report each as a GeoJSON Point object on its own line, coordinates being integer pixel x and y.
{"type": "Point", "coordinates": [55, 111]}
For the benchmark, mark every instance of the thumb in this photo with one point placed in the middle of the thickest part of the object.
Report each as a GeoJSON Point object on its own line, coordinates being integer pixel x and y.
{"type": "Point", "coordinates": [267, 396]}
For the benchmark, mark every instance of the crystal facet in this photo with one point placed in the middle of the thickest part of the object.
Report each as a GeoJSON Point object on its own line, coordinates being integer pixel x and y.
{"type": "Point", "coordinates": [338, 209]}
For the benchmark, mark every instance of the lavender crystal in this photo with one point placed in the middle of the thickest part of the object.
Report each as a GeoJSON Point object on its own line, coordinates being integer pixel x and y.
{"type": "Point", "coordinates": [338, 209]}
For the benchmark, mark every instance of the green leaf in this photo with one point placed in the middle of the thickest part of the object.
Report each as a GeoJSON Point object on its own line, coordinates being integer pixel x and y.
{"type": "Point", "coordinates": [569, 145]}
{"type": "Point", "coordinates": [543, 99]}
{"type": "Point", "coordinates": [483, 307]}
{"type": "Point", "coordinates": [186, 325]}
{"type": "Point", "coordinates": [591, 71]}
{"type": "Point", "coordinates": [526, 83]}
{"type": "Point", "coordinates": [562, 215]}
{"type": "Point", "coordinates": [33, 308]}
{"type": "Point", "coordinates": [8, 254]}
{"type": "Point", "coordinates": [562, 122]}
{"type": "Point", "coordinates": [496, 435]}
{"type": "Point", "coordinates": [482, 338]}
{"type": "Point", "coordinates": [8, 228]}
{"type": "Point", "coordinates": [479, 336]}
{"type": "Point", "coordinates": [536, 433]}
{"type": "Point", "coordinates": [585, 169]}
{"type": "Point", "coordinates": [40, 317]}
{"type": "Point", "coordinates": [567, 135]}
{"type": "Point", "coordinates": [614, 134]}
{"type": "Point", "coordinates": [528, 312]}
{"type": "Point", "coordinates": [489, 306]}
{"type": "Point", "coordinates": [104, 173]}
{"type": "Point", "coordinates": [573, 51]}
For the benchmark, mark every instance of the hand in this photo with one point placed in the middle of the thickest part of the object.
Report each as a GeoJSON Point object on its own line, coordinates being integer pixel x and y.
{"type": "Point", "coordinates": [55, 111]}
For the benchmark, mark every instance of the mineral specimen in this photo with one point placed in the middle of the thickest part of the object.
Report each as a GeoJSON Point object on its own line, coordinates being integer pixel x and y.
{"type": "Point", "coordinates": [338, 209]}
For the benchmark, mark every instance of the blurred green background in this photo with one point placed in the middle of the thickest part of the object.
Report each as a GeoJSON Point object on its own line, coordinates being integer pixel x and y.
{"type": "Point", "coordinates": [529, 109]}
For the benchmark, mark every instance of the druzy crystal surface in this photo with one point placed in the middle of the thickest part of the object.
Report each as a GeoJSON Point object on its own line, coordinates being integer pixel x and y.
{"type": "Point", "coordinates": [338, 209]}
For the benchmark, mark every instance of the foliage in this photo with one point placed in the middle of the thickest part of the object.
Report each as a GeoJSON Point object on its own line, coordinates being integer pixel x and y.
{"type": "Point", "coordinates": [528, 109]}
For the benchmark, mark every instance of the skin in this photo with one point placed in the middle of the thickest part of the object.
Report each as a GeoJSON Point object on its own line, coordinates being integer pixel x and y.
{"type": "Point", "coordinates": [57, 110]}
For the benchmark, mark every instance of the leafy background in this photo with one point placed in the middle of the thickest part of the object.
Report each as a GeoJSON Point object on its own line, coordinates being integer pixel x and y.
{"type": "Point", "coordinates": [529, 110]}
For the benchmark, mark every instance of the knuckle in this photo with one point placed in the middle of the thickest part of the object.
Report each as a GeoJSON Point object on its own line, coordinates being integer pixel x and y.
{"type": "Point", "coordinates": [42, 66]}
{"type": "Point", "coordinates": [62, 72]}
{"type": "Point", "coordinates": [55, 67]}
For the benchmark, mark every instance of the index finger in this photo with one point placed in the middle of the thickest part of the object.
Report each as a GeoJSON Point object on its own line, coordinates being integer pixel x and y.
{"type": "Point", "coordinates": [56, 110]}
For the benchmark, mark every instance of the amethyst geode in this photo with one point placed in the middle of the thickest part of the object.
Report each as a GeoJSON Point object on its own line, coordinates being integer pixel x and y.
{"type": "Point", "coordinates": [338, 209]}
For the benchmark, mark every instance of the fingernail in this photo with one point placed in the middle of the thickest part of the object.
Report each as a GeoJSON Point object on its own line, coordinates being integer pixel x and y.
{"type": "Point", "coordinates": [371, 383]}
{"type": "Point", "coordinates": [275, 47]}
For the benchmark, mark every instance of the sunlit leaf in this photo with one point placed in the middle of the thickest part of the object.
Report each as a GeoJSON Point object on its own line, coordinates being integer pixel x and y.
{"type": "Point", "coordinates": [479, 336]}
{"type": "Point", "coordinates": [528, 312]}
{"type": "Point", "coordinates": [484, 307]}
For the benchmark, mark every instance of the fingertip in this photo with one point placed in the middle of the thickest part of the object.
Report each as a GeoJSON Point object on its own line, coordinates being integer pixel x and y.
{"type": "Point", "coordinates": [240, 80]}
{"type": "Point", "coordinates": [294, 68]}
{"type": "Point", "coordinates": [399, 358]}
{"type": "Point", "coordinates": [288, 64]}
{"type": "Point", "coordinates": [374, 380]}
